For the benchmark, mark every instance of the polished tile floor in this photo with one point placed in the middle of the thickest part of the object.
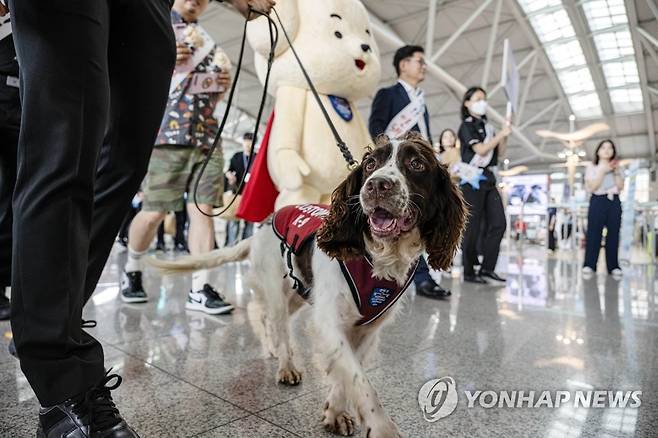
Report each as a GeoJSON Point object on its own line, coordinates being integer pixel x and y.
{"type": "Point", "coordinates": [189, 374]}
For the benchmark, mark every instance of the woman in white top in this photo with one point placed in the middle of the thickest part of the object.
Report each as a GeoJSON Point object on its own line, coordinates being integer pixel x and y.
{"type": "Point", "coordinates": [448, 150]}
{"type": "Point", "coordinates": [604, 180]}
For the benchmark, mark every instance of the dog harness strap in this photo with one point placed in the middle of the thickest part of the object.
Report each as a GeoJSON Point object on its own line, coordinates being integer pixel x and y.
{"type": "Point", "coordinates": [372, 296]}
{"type": "Point", "coordinates": [295, 226]}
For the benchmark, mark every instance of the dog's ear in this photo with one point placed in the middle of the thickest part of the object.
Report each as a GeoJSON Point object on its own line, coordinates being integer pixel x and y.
{"type": "Point", "coordinates": [341, 235]}
{"type": "Point", "coordinates": [258, 31]}
{"type": "Point", "coordinates": [443, 231]}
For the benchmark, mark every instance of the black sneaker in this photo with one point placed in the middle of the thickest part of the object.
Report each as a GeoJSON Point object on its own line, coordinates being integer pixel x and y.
{"type": "Point", "coordinates": [475, 279]}
{"type": "Point", "coordinates": [132, 290]}
{"type": "Point", "coordinates": [208, 300]}
{"type": "Point", "coordinates": [5, 305]}
{"type": "Point", "coordinates": [93, 414]}
{"type": "Point", "coordinates": [492, 276]}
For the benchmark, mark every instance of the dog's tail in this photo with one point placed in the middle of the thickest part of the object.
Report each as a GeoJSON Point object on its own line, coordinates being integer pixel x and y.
{"type": "Point", "coordinates": [212, 259]}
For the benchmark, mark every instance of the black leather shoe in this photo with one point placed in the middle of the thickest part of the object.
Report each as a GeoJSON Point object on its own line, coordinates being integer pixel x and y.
{"type": "Point", "coordinates": [5, 306]}
{"type": "Point", "coordinates": [88, 415]}
{"type": "Point", "coordinates": [492, 276]}
{"type": "Point", "coordinates": [475, 279]}
{"type": "Point", "coordinates": [430, 289]}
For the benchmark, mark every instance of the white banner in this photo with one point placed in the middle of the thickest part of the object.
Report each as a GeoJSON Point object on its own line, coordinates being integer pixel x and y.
{"type": "Point", "coordinates": [510, 76]}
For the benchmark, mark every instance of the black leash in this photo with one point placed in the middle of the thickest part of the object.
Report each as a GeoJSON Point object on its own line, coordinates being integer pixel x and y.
{"type": "Point", "coordinates": [274, 38]}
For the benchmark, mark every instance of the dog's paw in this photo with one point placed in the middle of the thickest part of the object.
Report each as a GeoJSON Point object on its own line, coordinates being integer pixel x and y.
{"type": "Point", "coordinates": [383, 429]}
{"type": "Point", "coordinates": [340, 423]}
{"type": "Point", "coordinates": [289, 376]}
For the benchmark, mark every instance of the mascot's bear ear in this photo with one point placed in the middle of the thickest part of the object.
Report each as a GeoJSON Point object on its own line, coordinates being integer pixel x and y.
{"type": "Point", "coordinates": [258, 32]}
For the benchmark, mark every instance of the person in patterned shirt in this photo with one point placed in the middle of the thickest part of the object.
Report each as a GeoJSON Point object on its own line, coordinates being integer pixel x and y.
{"type": "Point", "coordinates": [187, 131]}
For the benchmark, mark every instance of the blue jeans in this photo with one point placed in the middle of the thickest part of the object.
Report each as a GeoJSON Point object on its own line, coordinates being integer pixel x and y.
{"type": "Point", "coordinates": [233, 230]}
{"type": "Point", "coordinates": [603, 213]}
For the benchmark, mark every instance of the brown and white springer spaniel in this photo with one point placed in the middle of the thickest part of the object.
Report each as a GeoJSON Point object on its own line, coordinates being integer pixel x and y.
{"type": "Point", "coordinates": [398, 203]}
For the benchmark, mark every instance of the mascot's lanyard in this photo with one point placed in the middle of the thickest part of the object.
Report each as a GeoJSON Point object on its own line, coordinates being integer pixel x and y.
{"type": "Point", "coordinates": [274, 38]}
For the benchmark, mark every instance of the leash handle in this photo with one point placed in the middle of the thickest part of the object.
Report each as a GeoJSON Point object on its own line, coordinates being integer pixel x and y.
{"type": "Point", "coordinates": [351, 162]}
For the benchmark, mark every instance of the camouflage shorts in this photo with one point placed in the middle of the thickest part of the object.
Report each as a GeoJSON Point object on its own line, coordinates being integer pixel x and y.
{"type": "Point", "coordinates": [173, 171]}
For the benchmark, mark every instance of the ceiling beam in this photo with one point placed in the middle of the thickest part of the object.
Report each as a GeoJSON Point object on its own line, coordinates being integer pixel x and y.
{"type": "Point", "coordinates": [593, 63]}
{"type": "Point", "coordinates": [514, 7]}
{"type": "Point", "coordinates": [642, 70]}
{"type": "Point", "coordinates": [492, 42]}
{"type": "Point", "coordinates": [456, 34]}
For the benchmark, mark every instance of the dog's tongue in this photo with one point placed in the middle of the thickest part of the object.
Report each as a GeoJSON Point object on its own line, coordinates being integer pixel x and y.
{"type": "Point", "coordinates": [382, 219]}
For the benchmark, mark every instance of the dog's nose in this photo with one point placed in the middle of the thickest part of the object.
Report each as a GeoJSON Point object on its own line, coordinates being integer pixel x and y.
{"type": "Point", "coordinates": [379, 185]}
{"type": "Point", "coordinates": [365, 47]}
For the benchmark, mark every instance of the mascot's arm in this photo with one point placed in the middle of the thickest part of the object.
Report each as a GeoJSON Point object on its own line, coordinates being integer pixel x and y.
{"type": "Point", "coordinates": [380, 113]}
{"type": "Point", "coordinates": [286, 141]}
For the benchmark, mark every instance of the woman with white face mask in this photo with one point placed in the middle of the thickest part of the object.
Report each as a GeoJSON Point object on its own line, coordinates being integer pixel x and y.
{"type": "Point", "coordinates": [480, 149]}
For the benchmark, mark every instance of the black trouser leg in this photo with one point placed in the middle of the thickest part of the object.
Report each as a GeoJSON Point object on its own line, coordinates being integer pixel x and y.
{"type": "Point", "coordinates": [596, 218]}
{"type": "Point", "coordinates": [62, 50]}
{"type": "Point", "coordinates": [496, 224]}
{"type": "Point", "coordinates": [127, 220]}
{"type": "Point", "coordinates": [8, 147]}
{"type": "Point", "coordinates": [141, 60]}
{"type": "Point", "coordinates": [475, 200]}
{"type": "Point", "coordinates": [181, 222]}
{"type": "Point", "coordinates": [422, 272]}
{"type": "Point", "coordinates": [613, 224]}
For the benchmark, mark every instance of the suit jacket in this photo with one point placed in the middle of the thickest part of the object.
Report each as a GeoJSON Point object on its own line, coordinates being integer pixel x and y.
{"type": "Point", "coordinates": [237, 165]}
{"type": "Point", "coordinates": [387, 103]}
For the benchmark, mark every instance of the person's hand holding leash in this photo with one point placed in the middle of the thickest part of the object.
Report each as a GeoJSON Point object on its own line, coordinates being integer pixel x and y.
{"type": "Point", "coordinates": [243, 6]}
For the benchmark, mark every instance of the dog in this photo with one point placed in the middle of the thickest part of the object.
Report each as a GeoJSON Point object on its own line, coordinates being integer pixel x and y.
{"type": "Point", "coordinates": [399, 202]}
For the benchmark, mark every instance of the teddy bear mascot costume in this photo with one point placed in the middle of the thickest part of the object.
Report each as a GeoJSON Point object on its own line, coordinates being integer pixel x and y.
{"type": "Point", "coordinates": [299, 161]}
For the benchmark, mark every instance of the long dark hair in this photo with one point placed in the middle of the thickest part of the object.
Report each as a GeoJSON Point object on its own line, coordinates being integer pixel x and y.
{"type": "Point", "coordinates": [454, 135]}
{"type": "Point", "coordinates": [467, 96]}
{"type": "Point", "coordinates": [596, 152]}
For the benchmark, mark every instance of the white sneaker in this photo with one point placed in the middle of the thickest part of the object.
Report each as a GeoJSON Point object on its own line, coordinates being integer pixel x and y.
{"type": "Point", "coordinates": [587, 272]}
{"type": "Point", "coordinates": [209, 301]}
{"type": "Point", "coordinates": [617, 273]}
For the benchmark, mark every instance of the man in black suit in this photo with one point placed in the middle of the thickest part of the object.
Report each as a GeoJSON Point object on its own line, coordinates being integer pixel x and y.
{"type": "Point", "coordinates": [401, 108]}
{"type": "Point", "coordinates": [236, 170]}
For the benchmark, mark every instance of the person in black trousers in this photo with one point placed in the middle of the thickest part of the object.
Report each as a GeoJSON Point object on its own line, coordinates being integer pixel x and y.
{"type": "Point", "coordinates": [236, 170]}
{"type": "Point", "coordinates": [87, 68]}
{"type": "Point", "coordinates": [604, 180]}
{"type": "Point", "coordinates": [480, 148]}
{"type": "Point", "coordinates": [10, 117]}
{"type": "Point", "coordinates": [395, 111]}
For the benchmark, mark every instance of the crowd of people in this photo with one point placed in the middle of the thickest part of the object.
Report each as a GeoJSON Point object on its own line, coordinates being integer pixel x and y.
{"type": "Point", "coordinates": [80, 76]}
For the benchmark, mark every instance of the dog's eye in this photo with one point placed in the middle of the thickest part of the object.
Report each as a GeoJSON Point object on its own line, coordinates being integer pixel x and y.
{"type": "Point", "coordinates": [417, 165]}
{"type": "Point", "coordinates": [370, 165]}
{"type": "Point", "coordinates": [338, 35]}
{"type": "Point", "coordinates": [368, 31]}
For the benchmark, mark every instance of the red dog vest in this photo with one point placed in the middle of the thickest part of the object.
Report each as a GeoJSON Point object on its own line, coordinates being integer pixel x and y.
{"type": "Point", "coordinates": [296, 225]}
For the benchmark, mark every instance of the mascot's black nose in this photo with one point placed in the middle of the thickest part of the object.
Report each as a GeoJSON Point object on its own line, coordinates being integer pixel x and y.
{"type": "Point", "coordinates": [365, 47]}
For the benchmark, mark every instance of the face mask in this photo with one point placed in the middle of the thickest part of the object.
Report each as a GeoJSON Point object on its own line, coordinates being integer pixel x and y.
{"type": "Point", "coordinates": [479, 108]}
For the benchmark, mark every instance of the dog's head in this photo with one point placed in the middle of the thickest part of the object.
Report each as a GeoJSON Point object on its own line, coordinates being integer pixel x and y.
{"type": "Point", "coordinates": [398, 187]}
{"type": "Point", "coordinates": [334, 40]}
